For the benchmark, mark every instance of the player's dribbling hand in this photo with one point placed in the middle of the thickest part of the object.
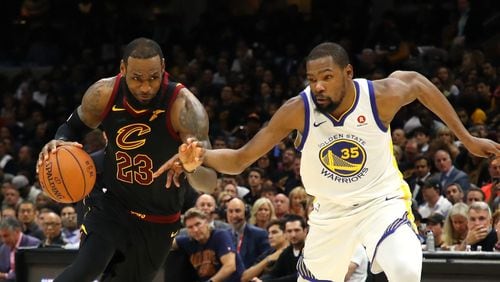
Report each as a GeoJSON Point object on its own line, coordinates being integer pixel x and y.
{"type": "Point", "coordinates": [50, 147]}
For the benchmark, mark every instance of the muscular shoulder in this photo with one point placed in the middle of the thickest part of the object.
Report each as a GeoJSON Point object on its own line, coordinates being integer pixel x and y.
{"type": "Point", "coordinates": [391, 94]}
{"type": "Point", "coordinates": [291, 114]}
{"type": "Point", "coordinates": [188, 116]}
{"type": "Point", "coordinates": [95, 100]}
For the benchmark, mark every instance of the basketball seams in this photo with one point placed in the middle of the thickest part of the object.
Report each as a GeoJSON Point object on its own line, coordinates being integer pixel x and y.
{"type": "Point", "coordinates": [64, 184]}
{"type": "Point", "coordinates": [61, 173]}
{"type": "Point", "coordinates": [82, 171]}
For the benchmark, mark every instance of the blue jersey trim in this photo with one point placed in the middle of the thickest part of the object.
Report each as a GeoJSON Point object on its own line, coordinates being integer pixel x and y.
{"type": "Point", "coordinates": [306, 121]}
{"type": "Point", "coordinates": [373, 103]}
{"type": "Point", "coordinates": [340, 122]}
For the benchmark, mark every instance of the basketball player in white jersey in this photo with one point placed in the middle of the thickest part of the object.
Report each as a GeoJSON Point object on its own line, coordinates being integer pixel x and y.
{"type": "Point", "coordinates": [347, 164]}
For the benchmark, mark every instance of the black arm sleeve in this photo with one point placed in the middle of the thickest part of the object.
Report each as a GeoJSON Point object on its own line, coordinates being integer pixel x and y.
{"type": "Point", "coordinates": [73, 129]}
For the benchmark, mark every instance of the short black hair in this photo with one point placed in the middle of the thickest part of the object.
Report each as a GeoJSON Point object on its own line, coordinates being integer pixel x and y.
{"type": "Point", "coordinates": [142, 48]}
{"type": "Point", "coordinates": [334, 50]}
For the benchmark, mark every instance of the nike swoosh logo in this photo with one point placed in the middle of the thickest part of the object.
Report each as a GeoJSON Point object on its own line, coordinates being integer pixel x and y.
{"type": "Point", "coordinates": [316, 124]}
{"type": "Point", "coordinates": [387, 199]}
{"type": "Point", "coordinates": [116, 109]}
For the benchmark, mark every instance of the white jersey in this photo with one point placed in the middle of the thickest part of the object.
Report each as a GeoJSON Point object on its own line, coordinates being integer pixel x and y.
{"type": "Point", "coordinates": [348, 161]}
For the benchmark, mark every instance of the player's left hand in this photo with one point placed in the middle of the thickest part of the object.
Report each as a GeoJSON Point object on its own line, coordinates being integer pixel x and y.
{"type": "Point", "coordinates": [483, 147]}
{"type": "Point", "coordinates": [174, 168]}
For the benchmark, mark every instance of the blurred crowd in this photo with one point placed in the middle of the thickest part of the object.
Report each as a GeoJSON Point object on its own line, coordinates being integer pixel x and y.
{"type": "Point", "coordinates": [243, 60]}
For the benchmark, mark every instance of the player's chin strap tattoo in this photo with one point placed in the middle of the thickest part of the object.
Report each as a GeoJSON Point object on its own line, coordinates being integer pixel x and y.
{"type": "Point", "coordinates": [73, 129]}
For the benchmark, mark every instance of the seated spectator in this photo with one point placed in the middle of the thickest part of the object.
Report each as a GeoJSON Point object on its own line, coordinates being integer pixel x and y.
{"type": "Point", "coordinates": [250, 240]}
{"type": "Point", "coordinates": [26, 190]}
{"type": "Point", "coordinates": [447, 172]}
{"type": "Point", "coordinates": [281, 205]}
{"type": "Point", "coordinates": [254, 180]}
{"type": "Point", "coordinates": [206, 203]}
{"type": "Point", "coordinates": [12, 198]}
{"type": "Point", "coordinates": [285, 268]}
{"type": "Point", "coordinates": [12, 238]}
{"type": "Point", "coordinates": [278, 242]}
{"type": "Point", "coordinates": [262, 213]}
{"type": "Point", "coordinates": [9, 212]}
{"type": "Point", "coordinates": [494, 183]}
{"type": "Point", "coordinates": [435, 224]}
{"type": "Point", "coordinates": [211, 251]}
{"type": "Point", "coordinates": [358, 267]}
{"type": "Point", "coordinates": [480, 231]}
{"type": "Point", "coordinates": [298, 201]}
{"type": "Point", "coordinates": [70, 229]}
{"type": "Point", "coordinates": [421, 172]}
{"type": "Point", "coordinates": [26, 214]}
{"type": "Point", "coordinates": [51, 226]}
{"type": "Point", "coordinates": [474, 195]}
{"type": "Point", "coordinates": [496, 226]}
{"type": "Point", "coordinates": [434, 202]}
{"type": "Point", "coordinates": [455, 193]}
{"type": "Point", "coordinates": [455, 227]}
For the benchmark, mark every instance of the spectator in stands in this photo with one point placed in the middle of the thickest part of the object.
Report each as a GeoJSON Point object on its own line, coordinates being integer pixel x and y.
{"type": "Point", "coordinates": [435, 224]}
{"type": "Point", "coordinates": [26, 214]}
{"type": "Point", "coordinates": [250, 241]}
{"type": "Point", "coordinates": [12, 238]}
{"type": "Point", "coordinates": [254, 180]}
{"type": "Point", "coordinates": [422, 137]}
{"type": "Point", "coordinates": [480, 231]}
{"type": "Point", "coordinates": [26, 190]}
{"type": "Point", "coordinates": [455, 227]}
{"type": "Point", "coordinates": [262, 213]}
{"type": "Point", "coordinates": [398, 137]}
{"type": "Point", "coordinates": [12, 197]}
{"type": "Point", "coordinates": [492, 189]}
{"type": "Point", "coordinates": [9, 212]}
{"type": "Point", "coordinates": [211, 251]}
{"type": "Point", "coordinates": [474, 195]}
{"type": "Point", "coordinates": [294, 180]}
{"type": "Point", "coordinates": [421, 172]}
{"type": "Point", "coordinates": [447, 172]}
{"type": "Point", "coordinates": [278, 241]}
{"type": "Point", "coordinates": [51, 226]}
{"type": "Point", "coordinates": [281, 205]}
{"type": "Point", "coordinates": [455, 193]}
{"type": "Point", "coordinates": [285, 267]}
{"type": "Point", "coordinates": [434, 202]}
{"type": "Point", "coordinates": [298, 201]}
{"type": "Point", "coordinates": [70, 230]}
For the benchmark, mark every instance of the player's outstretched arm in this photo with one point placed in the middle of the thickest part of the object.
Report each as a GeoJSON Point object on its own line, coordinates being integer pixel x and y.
{"type": "Point", "coordinates": [289, 117]}
{"type": "Point", "coordinates": [403, 87]}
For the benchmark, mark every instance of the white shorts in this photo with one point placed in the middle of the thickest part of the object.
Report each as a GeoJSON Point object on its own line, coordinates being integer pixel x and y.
{"type": "Point", "coordinates": [335, 231]}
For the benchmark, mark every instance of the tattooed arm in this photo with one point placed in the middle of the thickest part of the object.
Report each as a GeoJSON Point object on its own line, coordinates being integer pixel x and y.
{"type": "Point", "coordinates": [190, 120]}
{"type": "Point", "coordinates": [89, 112]}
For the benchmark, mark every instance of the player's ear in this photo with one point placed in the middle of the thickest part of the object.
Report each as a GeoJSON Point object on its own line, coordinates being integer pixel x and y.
{"type": "Point", "coordinates": [163, 65]}
{"type": "Point", "coordinates": [123, 68]}
{"type": "Point", "coordinates": [349, 71]}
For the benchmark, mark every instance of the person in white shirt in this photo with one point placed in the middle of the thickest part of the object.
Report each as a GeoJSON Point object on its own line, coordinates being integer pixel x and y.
{"type": "Point", "coordinates": [434, 202]}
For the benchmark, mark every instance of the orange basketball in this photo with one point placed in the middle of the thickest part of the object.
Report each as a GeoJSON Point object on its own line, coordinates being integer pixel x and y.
{"type": "Point", "coordinates": [68, 175]}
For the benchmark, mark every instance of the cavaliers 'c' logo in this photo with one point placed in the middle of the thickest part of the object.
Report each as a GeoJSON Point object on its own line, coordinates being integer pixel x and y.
{"type": "Point", "coordinates": [131, 136]}
{"type": "Point", "coordinates": [343, 157]}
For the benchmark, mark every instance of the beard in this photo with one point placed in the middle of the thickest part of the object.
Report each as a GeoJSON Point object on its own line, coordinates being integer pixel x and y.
{"type": "Point", "coordinates": [328, 108]}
